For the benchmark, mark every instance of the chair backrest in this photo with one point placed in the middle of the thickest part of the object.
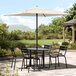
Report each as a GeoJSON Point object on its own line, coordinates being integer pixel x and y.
{"type": "Point", "coordinates": [13, 52]}
{"type": "Point", "coordinates": [63, 50]}
{"type": "Point", "coordinates": [25, 52]}
{"type": "Point", "coordinates": [48, 46]}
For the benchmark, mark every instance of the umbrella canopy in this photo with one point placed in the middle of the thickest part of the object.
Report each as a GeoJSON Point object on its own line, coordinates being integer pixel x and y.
{"type": "Point", "coordinates": [37, 12]}
{"type": "Point", "coordinates": [70, 23]}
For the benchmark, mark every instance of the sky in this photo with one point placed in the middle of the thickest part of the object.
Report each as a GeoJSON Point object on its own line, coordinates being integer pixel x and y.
{"type": "Point", "coordinates": [11, 6]}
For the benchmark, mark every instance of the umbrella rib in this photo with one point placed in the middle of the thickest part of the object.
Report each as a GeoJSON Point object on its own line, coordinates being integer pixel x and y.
{"type": "Point", "coordinates": [44, 15]}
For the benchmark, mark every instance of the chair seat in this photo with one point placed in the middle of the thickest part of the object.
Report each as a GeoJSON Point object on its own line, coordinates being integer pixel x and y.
{"type": "Point", "coordinates": [54, 55]}
{"type": "Point", "coordinates": [60, 54]}
{"type": "Point", "coordinates": [37, 58]}
{"type": "Point", "coordinates": [28, 57]}
{"type": "Point", "coordinates": [39, 54]}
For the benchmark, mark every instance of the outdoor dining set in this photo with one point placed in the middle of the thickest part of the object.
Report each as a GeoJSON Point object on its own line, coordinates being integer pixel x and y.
{"type": "Point", "coordinates": [35, 57]}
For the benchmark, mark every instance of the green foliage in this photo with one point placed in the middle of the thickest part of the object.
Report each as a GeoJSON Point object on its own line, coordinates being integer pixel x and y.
{"type": "Point", "coordinates": [52, 36]}
{"type": "Point", "coordinates": [3, 30]}
{"type": "Point", "coordinates": [19, 45]}
{"type": "Point", "coordinates": [52, 30]}
{"type": "Point", "coordinates": [3, 52]}
{"type": "Point", "coordinates": [73, 46]}
{"type": "Point", "coordinates": [56, 25]}
{"type": "Point", "coordinates": [18, 51]}
{"type": "Point", "coordinates": [4, 44]}
{"type": "Point", "coordinates": [16, 74]}
{"type": "Point", "coordinates": [17, 32]}
{"type": "Point", "coordinates": [72, 13]}
{"type": "Point", "coordinates": [14, 36]}
{"type": "Point", "coordinates": [16, 44]}
{"type": "Point", "coordinates": [55, 45]}
{"type": "Point", "coordinates": [27, 35]}
{"type": "Point", "coordinates": [43, 29]}
{"type": "Point", "coordinates": [65, 43]}
{"type": "Point", "coordinates": [6, 72]}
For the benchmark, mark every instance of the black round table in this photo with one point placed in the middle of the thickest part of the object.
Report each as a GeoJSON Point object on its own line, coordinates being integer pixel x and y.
{"type": "Point", "coordinates": [37, 49]}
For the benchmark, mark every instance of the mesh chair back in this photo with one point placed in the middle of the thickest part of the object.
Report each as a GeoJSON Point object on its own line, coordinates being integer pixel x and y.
{"type": "Point", "coordinates": [63, 50]}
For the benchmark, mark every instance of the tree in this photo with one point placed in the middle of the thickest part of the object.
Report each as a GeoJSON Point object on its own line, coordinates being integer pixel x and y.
{"type": "Point", "coordinates": [72, 13]}
{"type": "Point", "coordinates": [3, 30]}
{"type": "Point", "coordinates": [44, 29]}
{"type": "Point", "coordinates": [56, 25]}
{"type": "Point", "coordinates": [17, 32]}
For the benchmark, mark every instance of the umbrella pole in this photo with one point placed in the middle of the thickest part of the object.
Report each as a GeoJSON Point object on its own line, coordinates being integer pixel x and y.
{"type": "Point", "coordinates": [36, 55]}
{"type": "Point", "coordinates": [36, 34]}
{"type": "Point", "coordinates": [36, 31]}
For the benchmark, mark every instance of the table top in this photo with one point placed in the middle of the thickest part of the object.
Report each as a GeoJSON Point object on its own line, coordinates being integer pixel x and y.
{"type": "Point", "coordinates": [41, 49]}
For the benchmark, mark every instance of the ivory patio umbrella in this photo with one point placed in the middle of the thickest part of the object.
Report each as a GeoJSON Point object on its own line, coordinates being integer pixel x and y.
{"type": "Point", "coordinates": [37, 11]}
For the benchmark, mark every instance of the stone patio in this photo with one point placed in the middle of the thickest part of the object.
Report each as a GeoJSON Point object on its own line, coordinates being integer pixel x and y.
{"type": "Point", "coordinates": [60, 71]}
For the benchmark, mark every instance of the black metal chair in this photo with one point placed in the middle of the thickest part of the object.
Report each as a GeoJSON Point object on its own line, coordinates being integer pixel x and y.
{"type": "Point", "coordinates": [48, 47]}
{"type": "Point", "coordinates": [61, 53]}
{"type": "Point", "coordinates": [26, 56]}
{"type": "Point", "coordinates": [14, 57]}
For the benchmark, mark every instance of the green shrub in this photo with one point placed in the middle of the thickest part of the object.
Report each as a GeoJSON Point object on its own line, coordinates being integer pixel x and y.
{"type": "Point", "coordinates": [16, 44]}
{"type": "Point", "coordinates": [73, 46]}
{"type": "Point", "coordinates": [20, 45]}
{"type": "Point", "coordinates": [65, 43]}
{"type": "Point", "coordinates": [55, 45]}
{"type": "Point", "coordinates": [3, 52]}
{"type": "Point", "coordinates": [60, 36]}
{"type": "Point", "coordinates": [4, 44]}
{"type": "Point", "coordinates": [18, 51]}
{"type": "Point", "coordinates": [52, 36]}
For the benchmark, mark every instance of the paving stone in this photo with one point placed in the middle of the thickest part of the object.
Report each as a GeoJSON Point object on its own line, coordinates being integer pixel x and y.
{"type": "Point", "coordinates": [60, 71]}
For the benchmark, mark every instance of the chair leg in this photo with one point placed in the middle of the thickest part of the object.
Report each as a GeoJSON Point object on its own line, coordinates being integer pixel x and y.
{"type": "Point", "coordinates": [39, 65]}
{"type": "Point", "coordinates": [55, 62]}
{"type": "Point", "coordinates": [58, 62]}
{"type": "Point", "coordinates": [28, 69]}
{"type": "Point", "coordinates": [22, 64]}
{"type": "Point", "coordinates": [50, 61]}
{"type": "Point", "coordinates": [34, 64]}
{"type": "Point", "coordinates": [26, 62]}
{"type": "Point", "coordinates": [65, 61]}
{"type": "Point", "coordinates": [14, 63]}
{"type": "Point", "coordinates": [41, 61]}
